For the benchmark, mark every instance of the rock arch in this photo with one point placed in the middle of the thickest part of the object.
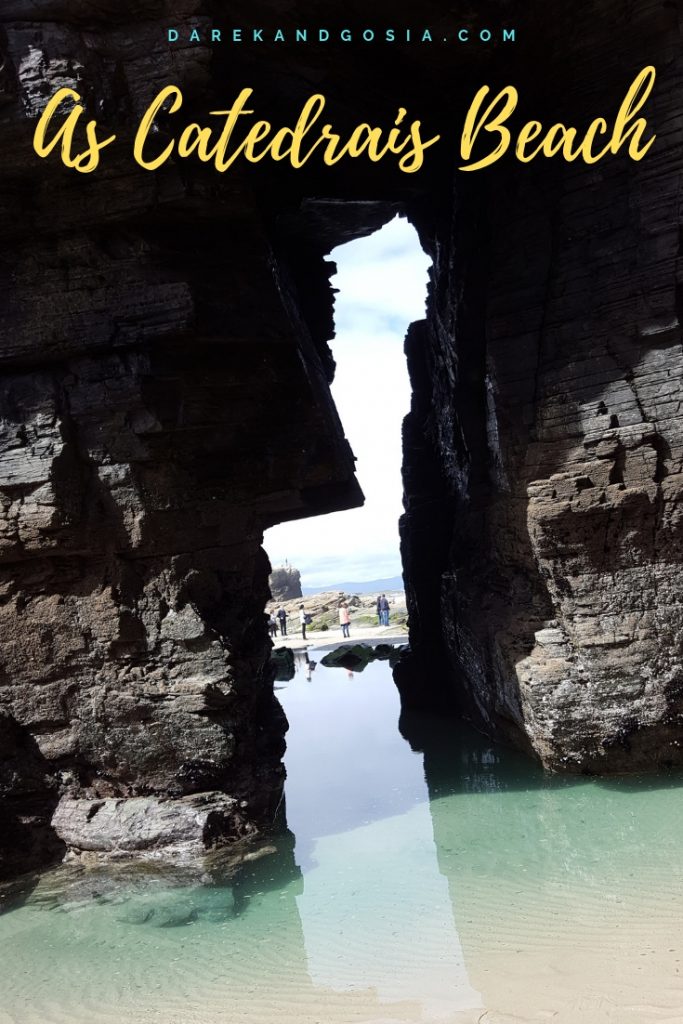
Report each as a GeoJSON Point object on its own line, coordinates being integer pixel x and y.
{"type": "Point", "coordinates": [164, 340]}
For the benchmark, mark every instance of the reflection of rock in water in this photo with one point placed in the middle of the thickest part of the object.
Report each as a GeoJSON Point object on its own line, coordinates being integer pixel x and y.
{"type": "Point", "coordinates": [232, 933]}
{"type": "Point", "coordinates": [459, 758]}
{"type": "Point", "coordinates": [271, 867]}
{"type": "Point", "coordinates": [557, 883]}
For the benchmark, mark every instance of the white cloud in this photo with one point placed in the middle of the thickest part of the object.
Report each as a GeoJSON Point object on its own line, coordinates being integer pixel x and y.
{"type": "Point", "coordinates": [382, 284]}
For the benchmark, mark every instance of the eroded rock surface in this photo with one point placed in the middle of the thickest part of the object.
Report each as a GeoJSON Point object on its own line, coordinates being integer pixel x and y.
{"type": "Point", "coordinates": [176, 828]}
{"type": "Point", "coordinates": [162, 401]}
{"type": "Point", "coordinates": [543, 454]}
{"type": "Point", "coordinates": [164, 397]}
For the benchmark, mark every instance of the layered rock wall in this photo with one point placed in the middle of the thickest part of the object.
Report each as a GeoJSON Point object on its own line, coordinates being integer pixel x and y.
{"type": "Point", "coordinates": [164, 397]}
{"type": "Point", "coordinates": [546, 432]}
{"type": "Point", "coordinates": [162, 401]}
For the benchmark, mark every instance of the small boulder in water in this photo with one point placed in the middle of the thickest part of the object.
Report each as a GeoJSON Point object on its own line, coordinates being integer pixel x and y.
{"type": "Point", "coordinates": [355, 657]}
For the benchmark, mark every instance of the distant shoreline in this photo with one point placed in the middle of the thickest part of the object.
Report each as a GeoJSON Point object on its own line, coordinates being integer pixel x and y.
{"type": "Point", "coordinates": [389, 583]}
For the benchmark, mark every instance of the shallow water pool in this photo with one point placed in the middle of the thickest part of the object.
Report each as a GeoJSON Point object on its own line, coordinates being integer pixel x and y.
{"type": "Point", "coordinates": [452, 883]}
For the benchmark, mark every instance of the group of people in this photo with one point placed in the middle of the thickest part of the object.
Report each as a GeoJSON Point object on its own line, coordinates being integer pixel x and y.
{"type": "Point", "coordinates": [278, 620]}
{"type": "Point", "coordinates": [382, 610]}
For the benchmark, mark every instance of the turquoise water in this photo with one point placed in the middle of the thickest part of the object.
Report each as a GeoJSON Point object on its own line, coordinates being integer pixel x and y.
{"type": "Point", "coordinates": [452, 883]}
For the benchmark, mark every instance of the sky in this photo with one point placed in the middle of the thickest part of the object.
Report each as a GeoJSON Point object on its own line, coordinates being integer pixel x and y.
{"type": "Point", "coordinates": [382, 282]}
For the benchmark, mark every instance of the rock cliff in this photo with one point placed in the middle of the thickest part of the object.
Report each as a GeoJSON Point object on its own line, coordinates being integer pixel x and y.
{"type": "Point", "coordinates": [164, 397]}
{"type": "Point", "coordinates": [542, 535]}
{"type": "Point", "coordinates": [162, 401]}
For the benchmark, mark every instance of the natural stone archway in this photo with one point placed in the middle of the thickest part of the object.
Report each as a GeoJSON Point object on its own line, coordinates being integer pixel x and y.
{"type": "Point", "coordinates": [165, 398]}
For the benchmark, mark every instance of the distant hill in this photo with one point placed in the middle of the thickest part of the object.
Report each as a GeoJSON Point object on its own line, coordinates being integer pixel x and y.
{"type": "Point", "coordinates": [366, 587]}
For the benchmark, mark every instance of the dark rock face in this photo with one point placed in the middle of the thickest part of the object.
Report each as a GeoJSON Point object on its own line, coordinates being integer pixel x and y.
{"type": "Point", "coordinates": [164, 397]}
{"type": "Point", "coordinates": [285, 583]}
{"type": "Point", "coordinates": [542, 537]}
{"type": "Point", "coordinates": [29, 796]}
{"type": "Point", "coordinates": [151, 427]}
{"type": "Point", "coordinates": [282, 660]}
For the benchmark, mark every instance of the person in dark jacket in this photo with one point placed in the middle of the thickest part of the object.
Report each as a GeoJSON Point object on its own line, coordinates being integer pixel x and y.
{"type": "Point", "coordinates": [282, 616]}
{"type": "Point", "coordinates": [379, 610]}
{"type": "Point", "coordinates": [384, 608]}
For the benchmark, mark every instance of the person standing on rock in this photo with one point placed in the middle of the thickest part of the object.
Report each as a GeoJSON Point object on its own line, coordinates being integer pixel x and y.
{"type": "Point", "coordinates": [384, 608]}
{"type": "Point", "coordinates": [303, 619]}
{"type": "Point", "coordinates": [272, 625]}
{"type": "Point", "coordinates": [379, 609]}
{"type": "Point", "coordinates": [282, 616]}
{"type": "Point", "coordinates": [345, 619]}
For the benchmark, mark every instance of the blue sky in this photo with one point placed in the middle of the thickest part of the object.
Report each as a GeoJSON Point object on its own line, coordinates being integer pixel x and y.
{"type": "Point", "coordinates": [382, 282]}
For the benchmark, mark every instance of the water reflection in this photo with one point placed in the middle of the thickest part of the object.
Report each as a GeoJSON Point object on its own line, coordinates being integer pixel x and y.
{"type": "Point", "coordinates": [535, 897]}
{"type": "Point", "coordinates": [450, 883]}
{"type": "Point", "coordinates": [304, 665]}
{"type": "Point", "coordinates": [567, 892]}
{"type": "Point", "coordinates": [374, 908]}
{"type": "Point", "coordinates": [145, 943]}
